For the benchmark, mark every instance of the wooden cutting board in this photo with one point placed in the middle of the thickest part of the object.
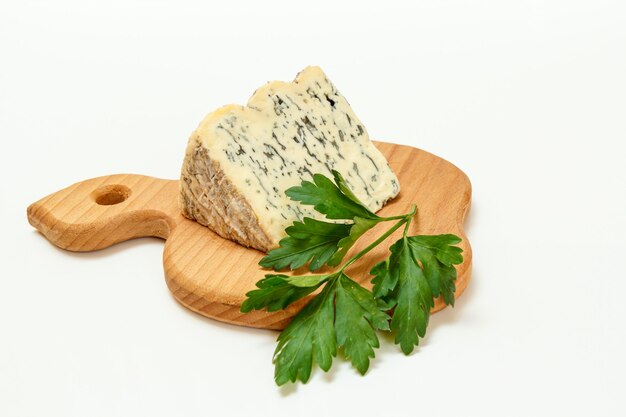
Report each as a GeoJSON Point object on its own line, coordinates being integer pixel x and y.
{"type": "Point", "coordinates": [211, 275]}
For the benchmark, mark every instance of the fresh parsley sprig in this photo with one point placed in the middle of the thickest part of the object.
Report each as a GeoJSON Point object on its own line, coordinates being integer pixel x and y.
{"type": "Point", "coordinates": [344, 315]}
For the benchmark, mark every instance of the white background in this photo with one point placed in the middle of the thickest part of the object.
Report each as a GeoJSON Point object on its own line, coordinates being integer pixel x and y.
{"type": "Point", "coordinates": [527, 97]}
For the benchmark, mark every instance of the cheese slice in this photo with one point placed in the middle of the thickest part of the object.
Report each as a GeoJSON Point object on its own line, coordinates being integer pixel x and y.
{"type": "Point", "coordinates": [241, 159]}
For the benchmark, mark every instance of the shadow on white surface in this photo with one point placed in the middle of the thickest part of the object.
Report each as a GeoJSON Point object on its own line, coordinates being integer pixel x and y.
{"type": "Point", "coordinates": [226, 326]}
{"type": "Point", "coordinates": [132, 243]}
{"type": "Point", "coordinates": [447, 317]}
{"type": "Point", "coordinates": [450, 315]}
{"type": "Point", "coordinates": [110, 251]}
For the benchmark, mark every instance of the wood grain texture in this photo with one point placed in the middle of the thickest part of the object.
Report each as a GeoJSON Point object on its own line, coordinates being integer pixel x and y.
{"type": "Point", "coordinates": [211, 275]}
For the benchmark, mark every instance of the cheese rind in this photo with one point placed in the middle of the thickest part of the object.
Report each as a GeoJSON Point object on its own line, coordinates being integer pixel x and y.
{"type": "Point", "coordinates": [241, 159]}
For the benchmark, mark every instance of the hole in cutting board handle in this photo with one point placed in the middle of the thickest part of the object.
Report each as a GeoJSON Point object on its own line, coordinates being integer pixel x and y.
{"type": "Point", "coordinates": [109, 195]}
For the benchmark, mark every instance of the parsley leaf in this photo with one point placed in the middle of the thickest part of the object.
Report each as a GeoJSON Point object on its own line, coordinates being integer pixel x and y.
{"type": "Point", "coordinates": [437, 257]}
{"type": "Point", "coordinates": [276, 292]}
{"type": "Point", "coordinates": [419, 269]}
{"type": "Point", "coordinates": [309, 335]}
{"type": "Point", "coordinates": [344, 315]}
{"type": "Point", "coordinates": [412, 296]}
{"type": "Point", "coordinates": [310, 240]}
{"type": "Point", "coordinates": [329, 199]}
{"type": "Point", "coordinates": [357, 319]}
{"type": "Point", "coordinates": [384, 282]}
{"type": "Point", "coordinates": [441, 247]}
{"type": "Point", "coordinates": [345, 190]}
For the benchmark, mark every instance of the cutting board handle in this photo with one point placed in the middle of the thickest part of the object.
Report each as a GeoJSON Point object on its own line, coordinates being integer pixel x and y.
{"type": "Point", "coordinates": [100, 212]}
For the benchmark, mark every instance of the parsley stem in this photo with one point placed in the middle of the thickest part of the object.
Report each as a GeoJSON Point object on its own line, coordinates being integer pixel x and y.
{"type": "Point", "coordinates": [374, 243]}
{"type": "Point", "coordinates": [401, 216]}
{"type": "Point", "coordinates": [405, 218]}
{"type": "Point", "coordinates": [409, 218]}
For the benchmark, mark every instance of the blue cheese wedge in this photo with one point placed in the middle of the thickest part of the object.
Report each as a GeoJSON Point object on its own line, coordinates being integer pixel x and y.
{"type": "Point", "coordinates": [241, 159]}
